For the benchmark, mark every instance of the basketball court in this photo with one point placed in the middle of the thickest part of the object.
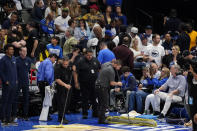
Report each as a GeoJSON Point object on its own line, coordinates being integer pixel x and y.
{"type": "Point", "coordinates": [76, 123]}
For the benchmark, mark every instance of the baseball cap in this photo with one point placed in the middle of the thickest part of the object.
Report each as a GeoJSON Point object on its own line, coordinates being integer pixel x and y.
{"type": "Point", "coordinates": [134, 30]}
{"type": "Point", "coordinates": [94, 6]}
{"type": "Point", "coordinates": [65, 9]}
{"type": "Point", "coordinates": [148, 27]}
{"type": "Point", "coordinates": [108, 33]}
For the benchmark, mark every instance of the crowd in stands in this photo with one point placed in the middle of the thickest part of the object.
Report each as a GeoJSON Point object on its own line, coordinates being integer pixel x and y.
{"type": "Point", "coordinates": [93, 34]}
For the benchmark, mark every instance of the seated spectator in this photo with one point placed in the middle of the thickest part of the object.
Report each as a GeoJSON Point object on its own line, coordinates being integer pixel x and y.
{"type": "Point", "coordinates": [148, 34]}
{"type": "Point", "coordinates": [134, 35]}
{"type": "Point", "coordinates": [176, 85]}
{"type": "Point", "coordinates": [168, 43]}
{"type": "Point", "coordinates": [20, 29]}
{"type": "Point", "coordinates": [138, 55]}
{"type": "Point", "coordinates": [105, 55]}
{"type": "Point", "coordinates": [74, 9]}
{"type": "Point", "coordinates": [122, 33]}
{"type": "Point", "coordinates": [155, 51]}
{"type": "Point", "coordinates": [172, 59]}
{"type": "Point", "coordinates": [144, 41]}
{"type": "Point", "coordinates": [3, 39]}
{"type": "Point", "coordinates": [165, 73]}
{"type": "Point", "coordinates": [108, 16]}
{"type": "Point", "coordinates": [82, 33]}
{"type": "Point", "coordinates": [16, 39]}
{"type": "Point", "coordinates": [113, 2]}
{"type": "Point", "coordinates": [65, 4]}
{"type": "Point", "coordinates": [171, 22]}
{"type": "Point", "coordinates": [144, 88]}
{"type": "Point", "coordinates": [54, 9]}
{"type": "Point", "coordinates": [54, 48]}
{"type": "Point", "coordinates": [9, 6]}
{"type": "Point", "coordinates": [93, 42]}
{"type": "Point", "coordinates": [128, 86]}
{"type": "Point", "coordinates": [183, 40]}
{"type": "Point", "coordinates": [133, 101]}
{"type": "Point", "coordinates": [119, 14]}
{"type": "Point", "coordinates": [99, 24]}
{"type": "Point", "coordinates": [193, 36]}
{"type": "Point", "coordinates": [93, 16]}
{"type": "Point", "coordinates": [47, 24]}
{"type": "Point", "coordinates": [61, 22]}
{"type": "Point", "coordinates": [112, 27]}
{"type": "Point", "coordinates": [108, 36]}
{"type": "Point", "coordinates": [38, 11]}
{"type": "Point", "coordinates": [72, 24]}
{"type": "Point", "coordinates": [70, 42]}
{"type": "Point", "coordinates": [10, 22]}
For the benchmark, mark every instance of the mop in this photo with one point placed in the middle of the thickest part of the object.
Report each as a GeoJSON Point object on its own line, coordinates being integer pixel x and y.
{"type": "Point", "coordinates": [61, 124]}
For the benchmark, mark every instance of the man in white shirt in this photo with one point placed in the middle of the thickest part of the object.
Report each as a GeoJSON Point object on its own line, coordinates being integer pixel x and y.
{"type": "Point", "coordinates": [61, 22]}
{"type": "Point", "coordinates": [154, 52]}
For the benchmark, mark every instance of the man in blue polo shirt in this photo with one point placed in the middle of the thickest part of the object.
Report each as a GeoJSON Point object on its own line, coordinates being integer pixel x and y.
{"type": "Point", "coordinates": [105, 55]}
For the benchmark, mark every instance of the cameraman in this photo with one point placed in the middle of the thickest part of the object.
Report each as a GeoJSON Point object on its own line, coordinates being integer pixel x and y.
{"type": "Point", "coordinates": [192, 87]}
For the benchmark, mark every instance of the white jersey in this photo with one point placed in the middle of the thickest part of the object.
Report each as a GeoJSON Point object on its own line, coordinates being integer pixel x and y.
{"type": "Point", "coordinates": [155, 52]}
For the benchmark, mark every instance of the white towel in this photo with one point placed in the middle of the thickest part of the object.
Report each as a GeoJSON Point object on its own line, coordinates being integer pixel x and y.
{"type": "Point", "coordinates": [49, 92]}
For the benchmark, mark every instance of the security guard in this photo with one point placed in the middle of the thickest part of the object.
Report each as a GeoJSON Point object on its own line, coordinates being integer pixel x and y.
{"type": "Point", "coordinates": [23, 67]}
{"type": "Point", "coordinates": [8, 73]}
{"type": "Point", "coordinates": [63, 78]}
{"type": "Point", "coordinates": [106, 79]}
{"type": "Point", "coordinates": [87, 71]}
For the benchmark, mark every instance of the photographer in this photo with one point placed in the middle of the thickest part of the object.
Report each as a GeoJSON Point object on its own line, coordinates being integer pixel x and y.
{"type": "Point", "coordinates": [192, 87]}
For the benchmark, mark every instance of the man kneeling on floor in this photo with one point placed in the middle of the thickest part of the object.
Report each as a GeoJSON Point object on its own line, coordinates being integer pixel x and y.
{"type": "Point", "coordinates": [176, 85]}
{"type": "Point", "coordinates": [106, 79]}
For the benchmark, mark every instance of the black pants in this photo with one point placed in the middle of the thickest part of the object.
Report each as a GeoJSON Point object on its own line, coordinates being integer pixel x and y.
{"type": "Point", "coordinates": [193, 111]}
{"type": "Point", "coordinates": [62, 96]}
{"type": "Point", "coordinates": [25, 99]}
{"type": "Point", "coordinates": [75, 99]}
{"type": "Point", "coordinates": [7, 100]}
{"type": "Point", "coordinates": [41, 86]}
{"type": "Point", "coordinates": [25, 91]}
{"type": "Point", "coordinates": [103, 102]}
{"type": "Point", "coordinates": [88, 94]}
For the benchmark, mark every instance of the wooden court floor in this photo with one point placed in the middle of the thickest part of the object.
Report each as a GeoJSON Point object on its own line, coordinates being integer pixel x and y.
{"type": "Point", "coordinates": [78, 127]}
